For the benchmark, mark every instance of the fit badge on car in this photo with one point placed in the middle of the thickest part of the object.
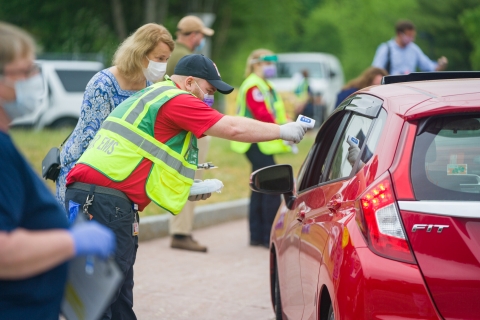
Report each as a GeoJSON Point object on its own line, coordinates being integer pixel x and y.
{"type": "Point", "coordinates": [429, 227]}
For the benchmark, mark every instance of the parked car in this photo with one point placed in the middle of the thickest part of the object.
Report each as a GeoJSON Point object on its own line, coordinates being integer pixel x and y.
{"type": "Point", "coordinates": [65, 83]}
{"type": "Point", "coordinates": [396, 235]}
{"type": "Point", "coordinates": [325, 76]}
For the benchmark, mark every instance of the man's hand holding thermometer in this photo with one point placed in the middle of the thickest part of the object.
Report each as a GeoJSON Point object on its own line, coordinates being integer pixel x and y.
{"type": "Point", "coordinates": [306, 121]}
{"type": "Point", "coordinates": [353, 150]}
{"type": "Point", "coordinates": [294, 131]}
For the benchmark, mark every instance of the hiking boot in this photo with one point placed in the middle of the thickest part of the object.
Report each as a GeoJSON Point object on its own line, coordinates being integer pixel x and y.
{"type": "Point", "coordinates": [186, 243]}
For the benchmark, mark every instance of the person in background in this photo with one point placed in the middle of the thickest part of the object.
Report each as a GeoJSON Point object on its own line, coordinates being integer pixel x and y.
{"type": "Point", "coordinates": [257, 99]}
{"type": "Point", "coordinates": [138, 62]}
{"type": "Point", "coordinates": [304, 94]}
{"type": "Point", "coordinates": [35, 242]}
{"type": "Point", "coordinates": [369, 77]}
{"type": "Point", "coordinates": [402, 56]}
{"type": "Point", "coordinates": [191, 34]}
{"type": "Point", "coordinates": [146, 151]}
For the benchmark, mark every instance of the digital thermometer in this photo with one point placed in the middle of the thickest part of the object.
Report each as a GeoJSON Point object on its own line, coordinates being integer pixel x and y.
{"type": "Point", "coordinates": [308, 122]}
{"type": "Point", "coordinates": [352, 141]}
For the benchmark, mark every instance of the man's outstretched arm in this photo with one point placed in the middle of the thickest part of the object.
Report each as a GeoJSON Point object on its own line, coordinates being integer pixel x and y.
{"type": "Point", "coordinates": [249, 130]}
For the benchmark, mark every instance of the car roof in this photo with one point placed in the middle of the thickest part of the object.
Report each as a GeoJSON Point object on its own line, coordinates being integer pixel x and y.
{"type": "Point", "coordinates": [305, 56]}
{"type": "Point", "coordinates": [412, 99]}
{"type": "Point", "coordinates": [73, 64]}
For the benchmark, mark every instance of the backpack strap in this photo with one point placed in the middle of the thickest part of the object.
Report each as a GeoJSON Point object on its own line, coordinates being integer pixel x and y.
{"type": "Point", "coordinates": [388, 65]}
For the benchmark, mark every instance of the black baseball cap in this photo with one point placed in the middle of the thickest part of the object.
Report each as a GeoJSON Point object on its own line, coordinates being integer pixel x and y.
{"type": "Point", "coordinates": [199, 66]}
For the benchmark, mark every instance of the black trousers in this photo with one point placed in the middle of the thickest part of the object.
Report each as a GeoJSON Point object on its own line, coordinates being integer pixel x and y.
{"type": "Point", "coordinates": [263, 207]}
{"type": "Point", "coordinates": [117, 213]}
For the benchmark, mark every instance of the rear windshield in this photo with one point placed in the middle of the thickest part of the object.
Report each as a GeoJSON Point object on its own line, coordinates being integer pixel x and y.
{"type": "Point", "coordinates": [75, 80]}
{"type": "Point", "coordinates": [446, 159]}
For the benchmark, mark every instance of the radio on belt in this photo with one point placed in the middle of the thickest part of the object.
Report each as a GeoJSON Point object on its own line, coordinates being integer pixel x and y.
{"type": "Point", "coordinates": [308, 122]}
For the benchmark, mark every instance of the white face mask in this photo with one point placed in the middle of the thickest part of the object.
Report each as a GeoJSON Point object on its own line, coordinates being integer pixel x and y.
{"type": "Point", "coordinates": [155, 70]}
{"type": "Point", "coordinates": [29, 94]}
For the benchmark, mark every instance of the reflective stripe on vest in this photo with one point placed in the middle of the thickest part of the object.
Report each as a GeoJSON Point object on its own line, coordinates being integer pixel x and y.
{"type": "Point", "coordinates": [127, 137]}
{"type": "Point", "coordinates": [150, 148]}
{"type": "Point", "coordinates": [274, 104]}
{"type": "Point", "coordinates": [152, 94]}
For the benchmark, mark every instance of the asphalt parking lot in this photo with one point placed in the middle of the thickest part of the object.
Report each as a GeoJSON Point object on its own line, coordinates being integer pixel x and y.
{"type": "Point", "coordinates": [231, 281]}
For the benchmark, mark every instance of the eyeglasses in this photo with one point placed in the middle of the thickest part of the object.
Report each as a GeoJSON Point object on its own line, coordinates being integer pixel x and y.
{"type": "Point", "coordinates": [28, 72]}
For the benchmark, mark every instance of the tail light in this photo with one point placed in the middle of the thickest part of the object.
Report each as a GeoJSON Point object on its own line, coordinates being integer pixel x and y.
{"type": "Point", "coordinates": [380, 223]}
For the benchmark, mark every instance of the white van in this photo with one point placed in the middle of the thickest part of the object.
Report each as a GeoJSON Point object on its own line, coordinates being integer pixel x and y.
{"type": "Point", "coordinates": [325, 75]}
{"type": "Point", "coordinates": [65, 83]}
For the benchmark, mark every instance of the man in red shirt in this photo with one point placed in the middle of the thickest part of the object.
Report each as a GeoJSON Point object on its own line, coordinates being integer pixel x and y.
{"type": "Point", "coordinates": [115, 203]}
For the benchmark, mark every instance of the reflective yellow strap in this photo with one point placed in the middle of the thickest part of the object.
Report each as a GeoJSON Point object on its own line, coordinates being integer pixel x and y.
{"type": "Point", "coordinates": [141, 103]}
{"type": "Point", "coordinates": [155, 152]}
{"type": "Point", "coordinates": [187, 143]}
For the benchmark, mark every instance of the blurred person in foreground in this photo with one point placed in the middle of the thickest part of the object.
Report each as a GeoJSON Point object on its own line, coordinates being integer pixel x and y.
{"type": "Point", "coordinates": [257, 99]}
{"type": "Point", "coordinates": [35, 242]}
{"type": "Point", "coordinates": [191, 34]}
{"type": "Point", "coordinates": [139, 61]}
{"type": "Point", "coordinates": [369, 77]}
{"type": "Point", "coordinates": [146, 150]}
{"type": "Point", "coordinates": [401, 55]}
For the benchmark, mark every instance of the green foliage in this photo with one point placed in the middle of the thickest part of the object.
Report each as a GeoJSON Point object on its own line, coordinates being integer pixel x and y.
{"type": "Point", "coordinates": [349, 29]}
{"type": "Point", "coordinates": [470, 21]}
{"type": "Point", "coordinates": [353, 29]}
{"type": "Point", "coordinates": [64, 25]}
{"type": "Point", "coordinates": [438, 22]}
{"type": "Point", "coordinates": [250, 25]}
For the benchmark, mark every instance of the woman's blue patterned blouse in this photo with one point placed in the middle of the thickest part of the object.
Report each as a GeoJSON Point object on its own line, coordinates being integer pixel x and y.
{"type": "Point", "coordinates": [102, 95]}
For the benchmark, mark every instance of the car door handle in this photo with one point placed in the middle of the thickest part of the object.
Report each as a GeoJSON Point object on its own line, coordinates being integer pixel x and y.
{"type": "Point", "coordinates": [334, 204]}
{"type": "Point", "coordinates": [301, 215]}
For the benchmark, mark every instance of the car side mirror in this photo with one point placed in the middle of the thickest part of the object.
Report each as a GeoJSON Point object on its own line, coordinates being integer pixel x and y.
{"type": "Point", "coordinates": [332, 74]}
{"type": "Point", "coordinates": [277, 179]}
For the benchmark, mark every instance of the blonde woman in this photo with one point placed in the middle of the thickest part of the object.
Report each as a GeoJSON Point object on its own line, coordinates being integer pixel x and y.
{"type": "Point", "coordinates": [258, 99]}
{"type": "Point", "coordinates": [138, 62]}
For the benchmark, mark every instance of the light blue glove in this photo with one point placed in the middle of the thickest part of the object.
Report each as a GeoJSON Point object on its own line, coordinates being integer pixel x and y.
{"type": "Point", "coordinates": [91, 238]}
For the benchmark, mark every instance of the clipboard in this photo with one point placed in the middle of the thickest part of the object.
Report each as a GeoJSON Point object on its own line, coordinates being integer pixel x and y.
{"type": "Point", "coordinates": [91, 284]}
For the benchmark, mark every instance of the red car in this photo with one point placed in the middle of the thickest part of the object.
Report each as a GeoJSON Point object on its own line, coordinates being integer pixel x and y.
{"type": "Point", "coordinates": [383, 219]}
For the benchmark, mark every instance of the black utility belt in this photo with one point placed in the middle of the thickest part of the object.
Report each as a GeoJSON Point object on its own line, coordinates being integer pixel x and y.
{"type": "Point", "coordinates": [99, 189]}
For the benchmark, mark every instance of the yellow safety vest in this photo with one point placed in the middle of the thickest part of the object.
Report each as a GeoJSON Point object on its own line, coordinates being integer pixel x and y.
{"type": "Point", "coordinates": [127, 137]}
{"type": "Point", "coordinates": [302, 90]}
{"type": "Point", "coordinates": [274, 105]}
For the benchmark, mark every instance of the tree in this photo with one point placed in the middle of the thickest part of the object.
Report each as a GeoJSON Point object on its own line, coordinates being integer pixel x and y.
{"type": "Point", "coordinates": [440, 21]}
{"type": "Point", "coordinates": [470, 21]}
{"type": "Point", "coordinates": [352, 30]}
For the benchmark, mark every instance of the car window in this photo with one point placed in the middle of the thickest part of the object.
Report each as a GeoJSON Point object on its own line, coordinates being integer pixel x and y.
{"type": "Point", "coordinates": [357, 127]}
{"type": "Point", "coordinates": [75, 80]}
{"type": "Point", "coordinates": [288, 69]}
{"type": "Point", "coordinates": [446, 159]}
{"type": "Point", "coordinates": [374, 137]}
{"type": "Point", "coordinates": [314, 166]}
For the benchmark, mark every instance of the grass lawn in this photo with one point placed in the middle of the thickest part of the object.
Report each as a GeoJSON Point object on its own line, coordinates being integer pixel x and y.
{"type": "Point", "coordinates": [233, 168]}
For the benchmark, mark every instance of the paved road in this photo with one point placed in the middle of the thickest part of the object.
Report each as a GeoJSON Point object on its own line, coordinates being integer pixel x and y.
{"type": "Point", "coordinates": [229, 282]}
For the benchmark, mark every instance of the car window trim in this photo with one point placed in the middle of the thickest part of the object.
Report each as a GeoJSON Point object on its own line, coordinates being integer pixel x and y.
{"type": "Point", "coordinates": [370, 111]}
{"type": "Point", "coordinates": [357, 162]}
{"type": "Point", "coordinates": [334, 146]}
{"type": "Point", "coordinates": [343, 122]}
